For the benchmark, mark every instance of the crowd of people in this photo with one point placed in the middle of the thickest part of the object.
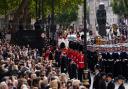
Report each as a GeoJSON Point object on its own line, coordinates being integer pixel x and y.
{"type": "Point", "coordinates": [22, 67]}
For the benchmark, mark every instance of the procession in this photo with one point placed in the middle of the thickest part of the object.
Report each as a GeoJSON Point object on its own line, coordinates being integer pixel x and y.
{"type": "Point", "coordinates": [63, 44]}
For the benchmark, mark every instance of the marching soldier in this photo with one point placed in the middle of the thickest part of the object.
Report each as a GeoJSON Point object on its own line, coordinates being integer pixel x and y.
{"type": "Point", "coordinates": [64, 63]}
{"type": "Point", "coordinates": [81, 65]}
{"type": "Point", "coordinates": [72, 70]}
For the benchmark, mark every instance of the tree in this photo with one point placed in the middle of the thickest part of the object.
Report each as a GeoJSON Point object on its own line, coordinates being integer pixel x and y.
{"type": "Point", "coordinates": [24, 10]}
{"type": "Point", "coordinates": [120, 7]}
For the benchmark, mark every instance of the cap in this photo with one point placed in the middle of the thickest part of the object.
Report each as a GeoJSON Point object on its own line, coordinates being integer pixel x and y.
{"type": "Point", "coordinates": [110, 75]}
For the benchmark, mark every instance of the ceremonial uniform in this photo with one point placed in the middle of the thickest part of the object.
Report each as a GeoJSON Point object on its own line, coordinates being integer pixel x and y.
{"type": "Point", "coordinates": [81, 61]}
{"type": "Point", "coordinates": [57, 57]}
{"type": "Point", "coordinates": [81, 65]}
{"type": "Point", "coordinates": [72, 71]}
{"type": "Point", "coordinates": [64, 64]}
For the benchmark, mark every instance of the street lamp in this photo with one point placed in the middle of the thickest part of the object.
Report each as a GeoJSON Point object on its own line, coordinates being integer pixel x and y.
{"type": "Point", "coordinates": [42, 12]}
{"type": "Point", "coordinates": [52, 16]}
{"type": "Point", "coordinates": [53, 27]}
{"type": "Point", "coordinates": [85, 36]}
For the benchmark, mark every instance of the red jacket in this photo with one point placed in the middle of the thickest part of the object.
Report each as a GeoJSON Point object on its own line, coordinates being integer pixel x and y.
{"type": "Point", "coordinates": [81, 61]}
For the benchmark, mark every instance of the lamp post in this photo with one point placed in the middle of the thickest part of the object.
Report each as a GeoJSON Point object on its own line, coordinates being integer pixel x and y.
{"type": "Point", "coordinates": [42, 12]}
{"type": "Point", "coordinates": [85, 36]}
{"type": "Point", "coordinates": [36, 9]}
{"type": "Point", "coordinates": [52, 16]}
{"type": "Point", "coordinates": [52, 20]}
{"type": "Point", "coordinates": [39, 8]}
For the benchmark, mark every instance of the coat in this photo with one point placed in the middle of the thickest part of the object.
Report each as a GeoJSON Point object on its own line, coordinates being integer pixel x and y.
{"type": "Point", "coordinates": [72, 70]}
{"type": "Point", "coordinates": [111, 85]}
{"type": "Point", "coordinates": [121, 86]}
{"type": "Point", "coordinates": [96, 81]}
{"type": "Point", "coordinates": [102, 84]}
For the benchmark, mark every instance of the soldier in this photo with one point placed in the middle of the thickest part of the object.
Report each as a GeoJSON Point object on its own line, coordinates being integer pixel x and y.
{"type": "Point", "coordinates": [57, 57]}
{"type": "Point", "coordinates": [108, 66]}
{"type": "Point", "coordinates": [81, 65]}
{"type": "Point", "coordinates": [118, 67]}
{"type": "Point", "coordinates": [64, 63]}
{"type": "Point", "coordinates": [124, 59]}
{"type": "Point", "coordinates": [72, 70]}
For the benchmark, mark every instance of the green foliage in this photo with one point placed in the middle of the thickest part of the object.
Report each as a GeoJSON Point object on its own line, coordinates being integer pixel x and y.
{"type": "Point", "coordinates": [8, 6]}
{"type": "Point", "coordinates": [65, 10]}
{"type": "Point", "coordinates": [120, 7]}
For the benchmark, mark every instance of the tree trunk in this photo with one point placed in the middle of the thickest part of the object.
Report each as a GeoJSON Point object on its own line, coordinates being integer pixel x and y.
{"type": "Point", "coordinates": [21, 15]}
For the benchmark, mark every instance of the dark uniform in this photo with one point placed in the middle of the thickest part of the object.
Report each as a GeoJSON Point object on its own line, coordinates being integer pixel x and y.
{"type": "Point", "coordinates": [57, 57]}
{"type": "Point", "coordinates": [64, 64]}
{"type": "Point", "coordinates": [108, 63]}
{"type": "Point", "coordinates": [72, 71]}
{"type": "Point", "coordinates": [90, 60]}
{"type": "Point", "coordinates": [124, 59]}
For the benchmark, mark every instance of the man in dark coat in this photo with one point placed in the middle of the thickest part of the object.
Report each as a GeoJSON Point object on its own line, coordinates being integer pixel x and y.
{"type": "Point", "coordinates": [102, 83]}
{"type": "Point", "coordinates": [110, 81]}
{"type": "Point", "coordinates": [97, 77]}
{"type": "Point", "coordinates": [90, 60]}
{"type": "Point", "coordinates": [121, 82]}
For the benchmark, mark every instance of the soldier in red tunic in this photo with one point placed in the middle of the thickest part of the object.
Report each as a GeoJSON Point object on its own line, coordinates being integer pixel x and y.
{"type": "Point", "coordinates": [81, 65]}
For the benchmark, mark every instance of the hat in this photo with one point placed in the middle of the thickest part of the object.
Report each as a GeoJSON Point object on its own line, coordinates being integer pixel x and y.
{"type": "Point", "coordinates": [120, 77]}
{"type": "Point", "coordinates": [110, 75]}
{"type": "Point", "coordinates": [102, 74]}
